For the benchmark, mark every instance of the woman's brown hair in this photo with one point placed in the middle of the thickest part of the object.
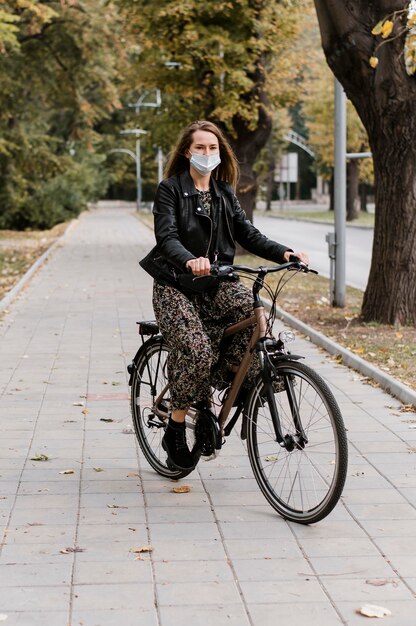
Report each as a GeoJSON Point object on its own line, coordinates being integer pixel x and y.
{"type": "Point", "coordinates": [227, 170]}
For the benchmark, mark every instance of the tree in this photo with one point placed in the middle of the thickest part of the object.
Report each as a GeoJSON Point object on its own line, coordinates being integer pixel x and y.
{"type": "Point", "coordinates": [58, 72]}
{"type": "Point", "coordinates": [384, 95]}
{"type": "Point", "coordinates": [227, 61]}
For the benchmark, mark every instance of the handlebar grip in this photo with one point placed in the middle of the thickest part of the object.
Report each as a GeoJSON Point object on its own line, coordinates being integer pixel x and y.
{"type": "Point", "coordinates": [294, 259]}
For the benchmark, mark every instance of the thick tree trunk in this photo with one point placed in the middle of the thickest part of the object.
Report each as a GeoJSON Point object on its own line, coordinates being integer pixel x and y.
{"type": "Point", "coordinates": [353, 196]}
{"type": "Point", "coordinates": [363, 197]}
{"type": "Point", "coordinates": [247, 146]}
{"type": "Point", "coordinates": [385, 99]}
{"type": "Point", "coordinates": [390, 296]}
{"type": "Point", "coordinates": [271, 167]}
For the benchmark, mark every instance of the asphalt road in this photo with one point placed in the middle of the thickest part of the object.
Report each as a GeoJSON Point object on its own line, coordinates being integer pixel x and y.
{"type": "Point", "coordinates": [310, 237]}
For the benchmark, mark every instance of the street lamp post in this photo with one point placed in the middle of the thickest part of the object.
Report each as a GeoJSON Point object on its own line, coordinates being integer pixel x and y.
{"type": "Point", "coordinates": [340, 185]}
{"type": "Point", "coordinates": [137, 132]}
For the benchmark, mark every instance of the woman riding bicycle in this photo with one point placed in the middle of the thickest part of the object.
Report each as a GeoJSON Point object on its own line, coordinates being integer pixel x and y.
{"type": "Point", "coordinates": [198, 222]}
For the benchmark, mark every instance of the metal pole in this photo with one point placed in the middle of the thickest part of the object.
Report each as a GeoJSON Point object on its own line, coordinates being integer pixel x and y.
{"type": "Point", "coordinates": [340, 192]}
{"type": "Point", "coordinates": [159, 165]}
{"type": "Point", "coordinates": [138, 174]}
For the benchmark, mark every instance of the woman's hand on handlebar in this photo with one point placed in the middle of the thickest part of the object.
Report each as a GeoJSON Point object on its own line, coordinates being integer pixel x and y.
{"type": "Point", "coordinates": [199, 267]}
{"type": "Point", "coordinates": [302, 256]}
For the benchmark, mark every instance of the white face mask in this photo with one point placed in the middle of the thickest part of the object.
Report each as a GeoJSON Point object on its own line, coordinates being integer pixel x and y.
{"type": "Point", "coordinates": [205, 164]}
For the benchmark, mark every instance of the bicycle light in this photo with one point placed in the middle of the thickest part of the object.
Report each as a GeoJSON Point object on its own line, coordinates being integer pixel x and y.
{"type": "Point", "coordinates": [286, 336]}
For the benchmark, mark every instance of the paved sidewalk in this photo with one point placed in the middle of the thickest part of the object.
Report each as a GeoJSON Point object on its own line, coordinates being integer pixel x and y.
{"type": "Point", "coordinates": [220, 553]}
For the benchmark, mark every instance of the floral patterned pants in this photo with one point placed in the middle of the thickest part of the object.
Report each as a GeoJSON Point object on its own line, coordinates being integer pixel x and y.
{"type": "Point", "coordinates": [193, 327]}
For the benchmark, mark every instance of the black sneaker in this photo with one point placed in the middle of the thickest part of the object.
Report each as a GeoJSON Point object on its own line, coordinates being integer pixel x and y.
{"type": "Point", "coordinates": [174, 443]}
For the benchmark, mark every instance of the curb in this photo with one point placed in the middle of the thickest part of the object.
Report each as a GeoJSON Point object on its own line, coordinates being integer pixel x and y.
{"type": "Point", "coordinates": [402, 392]}
{"type": "Point", "coordinates": [14, 292]}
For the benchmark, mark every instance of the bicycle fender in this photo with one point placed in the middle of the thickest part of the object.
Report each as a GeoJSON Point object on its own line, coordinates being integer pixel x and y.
{"type": "Point", "coordinates": [287, 357]}
{"type": "Point", "coordinates": [131, 368]}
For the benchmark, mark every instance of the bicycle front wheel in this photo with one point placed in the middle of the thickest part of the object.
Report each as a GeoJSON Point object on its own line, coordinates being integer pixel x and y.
{"type": "Point", "coordinates": [149, 381]}
{"type": "Point", "coordinates": [304, 481]}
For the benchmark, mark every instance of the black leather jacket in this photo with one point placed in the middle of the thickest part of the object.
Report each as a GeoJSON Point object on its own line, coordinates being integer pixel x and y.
{"type": "Point", "coordinates": [185, 231]}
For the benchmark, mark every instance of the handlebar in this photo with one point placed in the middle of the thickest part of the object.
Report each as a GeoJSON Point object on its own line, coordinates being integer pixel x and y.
{"type": "Point", "coordinates": [293, 264]}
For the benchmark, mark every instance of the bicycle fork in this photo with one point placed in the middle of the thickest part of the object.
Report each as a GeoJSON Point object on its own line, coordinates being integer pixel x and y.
{"type": "Point", "coordinates": [287, 441]}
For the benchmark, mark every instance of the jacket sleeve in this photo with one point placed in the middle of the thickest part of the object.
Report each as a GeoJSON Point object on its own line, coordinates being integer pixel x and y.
{"type": "Point", "coordinates": [166, 228]}
{"type": "Point", "coordinates": [252, 239]}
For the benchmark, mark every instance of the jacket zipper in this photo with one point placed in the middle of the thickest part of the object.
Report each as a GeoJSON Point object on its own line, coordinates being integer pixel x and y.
{"type": "Point", "coordinates": [210, 237]}
{"type": "Point", "coordinates": [226, 219]}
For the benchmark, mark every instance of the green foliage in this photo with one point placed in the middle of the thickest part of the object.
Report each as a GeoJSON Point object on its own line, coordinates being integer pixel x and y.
{"type": "Point", "coordinates": [59, 73]}
{"type": "Point", "coordinates": [223, 61]}
{"type": "Point", "coordinates": [54, 200]}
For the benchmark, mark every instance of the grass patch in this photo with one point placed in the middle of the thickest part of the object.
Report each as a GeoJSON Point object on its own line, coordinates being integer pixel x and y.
{"type": "Point", "coordinates": [20, 249]}
{"type": "Point", "coordinates": [364, 219]}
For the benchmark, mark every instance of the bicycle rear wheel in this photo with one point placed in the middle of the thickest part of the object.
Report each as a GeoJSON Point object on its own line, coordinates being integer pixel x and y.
{"type": "Point", "coordinates": [303, 484]}
{"type": "Point", "coordinates": [149, 380]}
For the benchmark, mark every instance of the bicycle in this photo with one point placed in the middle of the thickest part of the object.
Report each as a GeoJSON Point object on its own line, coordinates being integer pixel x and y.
{"type": "Point", "coordinates": [296, 438]}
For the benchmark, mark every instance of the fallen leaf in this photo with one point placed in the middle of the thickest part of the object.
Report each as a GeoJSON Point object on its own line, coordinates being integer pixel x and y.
{"type": "Point", "coordinates": [67, 472]}
{"type": "Point", "coordinates": [271, 457]}
{"type": "Point", "coordinates": [408, 408]}
{"type": "Point", "coordinates": [145, 548]}
{"type": "Point", "coordinates": [116, 506]}
{"type": "Point", "coordinates": [85, 411]}
{"type": "Point", "coordinates": [132, 474]}
{"type": "Point", "coordinates": [71, 550]}
{"type": "Point", "coordinates": [115, 383]}
{"type": "Point", "coordinates": [78, 404]}
{"type": "Point", "coordinates": [411, 450]}
{"type": "Point", "coordinates": [39, 457]}
{"type": "Point", "coordinates": [371, 610]}
{"type": "Point", "coordinates": [98, 469]}
{"type": "Point", "coordinates": [380, 582]}
{"type": "Point", "coordinates": [128, 431]}
{"type": "Point", "coordinates": [106, 419]}
{"type": "Point", "coordinates": [182, 489]}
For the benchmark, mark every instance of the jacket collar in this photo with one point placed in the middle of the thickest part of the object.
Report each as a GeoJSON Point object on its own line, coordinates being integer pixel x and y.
{"type": "Point", "coordinates": [188, 187]}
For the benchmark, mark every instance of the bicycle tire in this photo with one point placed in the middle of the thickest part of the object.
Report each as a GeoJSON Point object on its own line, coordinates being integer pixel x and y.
{"type": "Point", "coordinates": [303, 485]}
{"type": "Point", "coordinates": [148, 380]}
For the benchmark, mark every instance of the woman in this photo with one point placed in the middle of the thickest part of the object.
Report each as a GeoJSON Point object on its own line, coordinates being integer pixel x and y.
{"type": "Point", "coordinates": [198, 220]}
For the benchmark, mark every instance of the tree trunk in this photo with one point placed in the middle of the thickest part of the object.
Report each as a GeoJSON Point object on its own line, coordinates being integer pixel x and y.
{"type": "Point", "coordinates": [390, 296]}
{"type": "Point", "coordinates": [385, 99]}
{"type": "Point", "coordinates": [363, 198]}
{"type": "Point", "coordinates": [247, 146]}
{"type": "Point", "coordinates": [271, 167]}
{"type": "Point", "coordinates": [353, 196]}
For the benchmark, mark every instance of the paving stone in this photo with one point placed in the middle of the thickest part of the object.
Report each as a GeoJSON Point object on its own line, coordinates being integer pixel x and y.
{"type": "Point", "coordinates": [113, 572]}
{"type": "Point", "coordinates": [279, 591]}
{"type": "Point", "coordinates": [34, 617]}
{"type": "Point", "coordinates": [221, 615]}
{"type": "Point", "coordinates": [198, 593]}
{"type": "Point", "coordinates": [115, 597]}
{"type": "Point", "coordinates": [138, 617]}
{"type": "Point", "coordinates": [311, 613]}
{"type": "Point", "coordinates": [185, 572]}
